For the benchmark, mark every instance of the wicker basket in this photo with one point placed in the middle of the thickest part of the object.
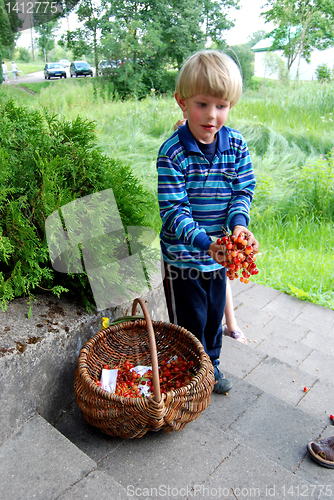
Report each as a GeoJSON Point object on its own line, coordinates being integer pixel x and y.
{"type": "Point", "coordinates": [142, 342]}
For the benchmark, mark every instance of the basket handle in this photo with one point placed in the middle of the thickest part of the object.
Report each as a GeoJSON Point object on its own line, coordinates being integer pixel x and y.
{"type": "Point", "coordinates": [153, 347]}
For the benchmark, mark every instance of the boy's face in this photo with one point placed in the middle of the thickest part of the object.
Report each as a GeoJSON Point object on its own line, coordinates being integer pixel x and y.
{"type": "Point", "coordinates": [206, 115]}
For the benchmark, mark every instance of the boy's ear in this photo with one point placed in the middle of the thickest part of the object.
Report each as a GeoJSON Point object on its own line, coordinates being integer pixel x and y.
{"type": "Point", "coordinates": [181, 102]}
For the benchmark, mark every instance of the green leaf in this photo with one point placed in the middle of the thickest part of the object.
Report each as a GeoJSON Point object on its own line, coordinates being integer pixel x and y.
{"type": "Point", "coordinates": [298, 292]}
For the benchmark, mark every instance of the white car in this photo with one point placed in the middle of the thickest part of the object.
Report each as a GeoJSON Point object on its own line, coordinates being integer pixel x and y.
{"type": "Point", "coordinates": [65, 63]}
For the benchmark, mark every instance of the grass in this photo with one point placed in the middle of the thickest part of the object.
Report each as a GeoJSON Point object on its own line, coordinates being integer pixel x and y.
{"type": "Point", "coordinates": [287, 128]}
{"type": "Point", "coordinates": [27, 68]}
{"type": "Point", "coordinates": [297, 258]}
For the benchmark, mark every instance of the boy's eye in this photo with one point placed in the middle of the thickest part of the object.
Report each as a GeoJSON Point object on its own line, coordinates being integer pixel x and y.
{"type": "Point", "coordinates": [201, 104]}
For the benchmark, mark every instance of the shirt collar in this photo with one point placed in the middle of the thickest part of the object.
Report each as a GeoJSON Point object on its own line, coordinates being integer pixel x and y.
{"type": "Point", "coordinates": [190, 144]}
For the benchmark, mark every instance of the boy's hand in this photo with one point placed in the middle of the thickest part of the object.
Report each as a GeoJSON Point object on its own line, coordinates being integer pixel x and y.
{"type": "Point", "coordinates": [248, 234]}
{"type": "Point", "coordinates": [179, 123]}
{"type": "Point", "coordinates": [215, 251]}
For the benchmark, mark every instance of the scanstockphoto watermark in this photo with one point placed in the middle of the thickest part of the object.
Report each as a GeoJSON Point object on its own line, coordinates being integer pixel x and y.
{"type": "Point", "coordinates": [202, 491]}
{"type": "Point", "coordinates": [88, 236]}
{"type": "Point", "coordinates": [198, 491]}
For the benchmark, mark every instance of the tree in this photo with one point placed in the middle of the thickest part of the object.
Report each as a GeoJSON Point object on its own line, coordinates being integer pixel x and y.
{"type": "Point", "coordinates": [302, 26]}
{"type": "Point", "coordinates": [76, 42]}
{"type": "Point", "coordinates": [90, 13]}
{"type": "Point", "coordinates": [9, 25]}
{"type": "Point", "coordinates": [46, 36]}
{"type": "Point", "coordinates": [244, 57]}
{"type": "Point", "coordinates": [255, 38]}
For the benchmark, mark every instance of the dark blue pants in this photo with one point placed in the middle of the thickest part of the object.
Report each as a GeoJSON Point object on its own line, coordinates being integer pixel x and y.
{"type": "Point", "coordinates": [196, 301]}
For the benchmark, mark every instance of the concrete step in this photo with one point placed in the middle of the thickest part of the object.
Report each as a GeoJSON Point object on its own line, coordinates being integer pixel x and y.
{"type": "Point", "coordinates": [38, 354]}
{"type": "Point", "coordinates": [251, 443]}
{"type": "Point", "coordinates": [38, 462]}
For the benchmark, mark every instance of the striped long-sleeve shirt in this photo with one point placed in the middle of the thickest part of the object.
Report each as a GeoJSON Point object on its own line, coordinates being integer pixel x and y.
{"type": "Point", "coordinates": [197, 199]}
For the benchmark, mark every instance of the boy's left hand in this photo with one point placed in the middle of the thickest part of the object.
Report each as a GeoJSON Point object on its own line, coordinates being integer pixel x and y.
{"type": "Point", "coordinates": [181, 122]}
{"type": "Point", "coordinates": [215, 251]}
{"type": "Point", "coordinates": [248, 234]}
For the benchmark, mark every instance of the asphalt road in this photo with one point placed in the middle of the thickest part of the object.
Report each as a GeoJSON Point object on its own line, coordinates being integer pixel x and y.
{"type": "Point", "coordinates": [36, 77]}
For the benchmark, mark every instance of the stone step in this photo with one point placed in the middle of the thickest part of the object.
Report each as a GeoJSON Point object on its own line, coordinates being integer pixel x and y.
{"type": "Point", "coordinates": [251, 443]}
{"type": "Point", "coordinates": [38, 354]}
{"type": "Point", "coordinates": [38, 462]}
{"type": "Point", "coordinates": [251, 440]}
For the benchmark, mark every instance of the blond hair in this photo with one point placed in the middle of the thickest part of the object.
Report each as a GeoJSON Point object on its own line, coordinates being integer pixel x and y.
{"type": "Point", "coordinates": [210, 72]}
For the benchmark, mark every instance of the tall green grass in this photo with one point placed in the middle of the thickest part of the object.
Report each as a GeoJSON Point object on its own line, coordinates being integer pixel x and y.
{"type": "Point", "coordinates": [296, 257]}
{"type": "Point", "coordinates": [290, 133]}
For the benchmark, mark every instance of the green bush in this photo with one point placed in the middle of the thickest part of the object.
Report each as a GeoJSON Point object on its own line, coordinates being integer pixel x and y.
{"type": "Point", "coordinates": [323, 73]}
{"type": "Point", "coordinates": [23, 55]}
{"type": "Point", "coordinates": [47, 163]}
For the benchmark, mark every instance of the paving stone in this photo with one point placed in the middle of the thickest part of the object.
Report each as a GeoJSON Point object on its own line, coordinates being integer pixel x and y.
{"type": "Point", "coordinates": [247, 315]}
{"type": "Point", "coordinates": [89, 439]}
{"type": "Point", "coordinates": [174, 460]}
{"type": "Point", "coordinates": [286, 329]}
{"type": "Point", "coordinates": [276, 430]}
{"type": "Point", "coordinates": [224, 410]}
{"type": "Point", "coordinates": [258, 296]}
{"type": "Point", "coordinates": [281, 380]}
{"type": "Point", "coordinates": [320, 341]}
{"type": "Point", "coordinates": [316, 315]}
{"type": "Point", "coordinates": [96, 485]}
{"type": "Point", "coordinates": [319, 364]}
{"type": "Point", "coordinates": [238, 359]}
{"type": "Point", "coordinates": [288, 351]}
{"type": "Point", "coordinates": [246, 473]}
{"type": "Point", "coordinates": [39, 463]}
{"type": "Point", "coordinates": [285, 306]}
{"type": "Point", "coordinates": [319, 401]}
{"type": "Point", "coordinates": [237, 287]}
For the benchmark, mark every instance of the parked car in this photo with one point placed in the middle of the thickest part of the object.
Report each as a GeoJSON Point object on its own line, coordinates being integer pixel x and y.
{"type": "Point", "coordinates": [80, 68]}
{"type": "Point", "coordinates": [54, 70]}
{"type": "Point", "coordinates": [65, 62]}
{"type": "Point", "coordinates": [105, 67]}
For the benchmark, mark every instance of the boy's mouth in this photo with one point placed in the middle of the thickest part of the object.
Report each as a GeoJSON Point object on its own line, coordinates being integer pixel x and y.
{"type": "Point", "coordinates": [208, 127]}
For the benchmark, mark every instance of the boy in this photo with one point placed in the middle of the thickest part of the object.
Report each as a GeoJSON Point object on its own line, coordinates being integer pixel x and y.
{"type": "Point", "coordinates": [205, 182]}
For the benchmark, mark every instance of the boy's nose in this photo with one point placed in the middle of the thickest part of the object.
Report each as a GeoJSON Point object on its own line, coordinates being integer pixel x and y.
{"type": "Point", "coordinates": [211, 112]}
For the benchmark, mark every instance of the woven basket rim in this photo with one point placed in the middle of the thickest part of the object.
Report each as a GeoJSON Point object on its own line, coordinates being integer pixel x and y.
{"type": "Point", "coordinates": [84, 373]}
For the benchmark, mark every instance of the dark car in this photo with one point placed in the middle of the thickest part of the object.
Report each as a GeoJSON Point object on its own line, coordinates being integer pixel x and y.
{"type": "Point", "coordinates": [80, 68]}
{"type": "Point", "coordinates": [54, 70]}
{"type": "Point", "coordinates": [106, 67]}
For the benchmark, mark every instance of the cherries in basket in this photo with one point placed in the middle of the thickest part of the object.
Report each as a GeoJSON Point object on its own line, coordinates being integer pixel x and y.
{"type": "Point", "coordinates": [174, 373]}
{"type": "Point", "coordinates": [238, 257]}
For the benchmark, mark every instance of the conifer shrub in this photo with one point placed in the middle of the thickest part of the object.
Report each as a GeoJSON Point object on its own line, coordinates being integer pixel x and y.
{"type": "Point", "coordinates": [45, 163]}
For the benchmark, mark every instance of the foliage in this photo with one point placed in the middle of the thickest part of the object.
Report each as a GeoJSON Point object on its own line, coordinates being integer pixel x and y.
{"type": "Point", "coordinates": [301, 26]}
{"type": "Point", "coordinates": [287, 128]}
{"type": "Point", "coordinates": [244, 57]}
{"type": "Point", "coordinates": [9, 24]}
{"type": "Point", "coordinates": [275, 66]}
{"type": "Point", "coordinates": [45, 164]}
{"type": "Point", "coordinates": [148, 37]}
{"type": "Point", "coordinates": [23, 55]}
{"type": "Point", "coordinates": [323, 73]}
{"type": "Point", "coordinates": [46, 36]}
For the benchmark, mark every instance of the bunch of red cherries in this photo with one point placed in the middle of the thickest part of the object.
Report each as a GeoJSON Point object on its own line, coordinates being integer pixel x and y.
{"type": "Point", "coordinates": [238, 257]}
